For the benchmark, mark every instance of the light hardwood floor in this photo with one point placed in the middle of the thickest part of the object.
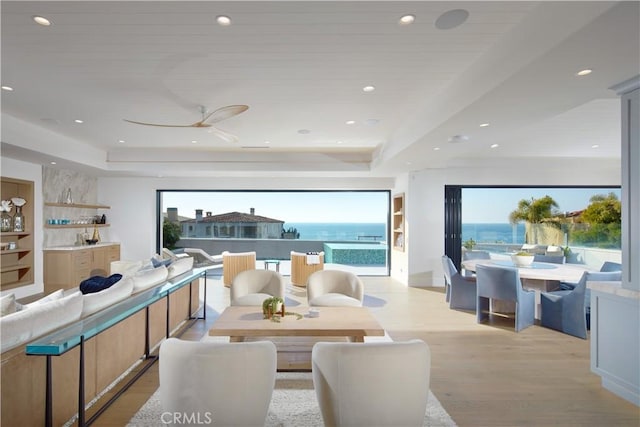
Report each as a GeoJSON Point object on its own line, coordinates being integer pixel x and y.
{"type": "Point", "coordinates": [484, 375]}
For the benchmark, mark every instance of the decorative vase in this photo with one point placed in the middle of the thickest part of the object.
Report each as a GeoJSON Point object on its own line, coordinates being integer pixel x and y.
{"type": "Point", "coordinates": [69, 199]}
{"type": "Point", "coordinates": [6, 222]}
{"type": "Point", "coordinates": [18, 220]}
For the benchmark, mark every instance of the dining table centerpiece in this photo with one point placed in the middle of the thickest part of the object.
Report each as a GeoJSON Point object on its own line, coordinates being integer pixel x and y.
{"type": "Point", "coordinates": [522, 259]}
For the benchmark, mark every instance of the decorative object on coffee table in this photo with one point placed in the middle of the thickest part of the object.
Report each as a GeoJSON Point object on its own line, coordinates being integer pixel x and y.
{"type": "Point", "coordinates": [272, 306]}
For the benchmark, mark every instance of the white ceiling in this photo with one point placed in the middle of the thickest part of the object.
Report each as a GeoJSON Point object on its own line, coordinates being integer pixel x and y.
{"type": "Point", "coordinates": [302, 65]}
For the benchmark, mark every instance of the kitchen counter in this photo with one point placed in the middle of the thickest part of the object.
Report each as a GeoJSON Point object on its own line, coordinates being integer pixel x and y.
{"type": "Point", "coordinates": [78, 248]}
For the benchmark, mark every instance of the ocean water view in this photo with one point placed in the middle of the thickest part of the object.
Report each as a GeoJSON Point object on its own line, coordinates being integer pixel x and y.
{"type": "Point", "coordinates": [340, 231]}
{"type": "Point", "coordinates": [494, 233]}
{"type": "Point", "coordinates": [353, 231]}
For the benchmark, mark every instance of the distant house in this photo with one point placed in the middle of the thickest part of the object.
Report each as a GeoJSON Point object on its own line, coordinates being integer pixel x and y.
{"type": "Point", "coordinates": [237, 225]}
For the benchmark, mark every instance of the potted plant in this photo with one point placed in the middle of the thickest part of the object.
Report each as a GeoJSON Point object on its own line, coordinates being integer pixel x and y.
{"type": "Point", "coordinates": [272, 306]}
{"type": "Point", "coordinates": [290, 233]}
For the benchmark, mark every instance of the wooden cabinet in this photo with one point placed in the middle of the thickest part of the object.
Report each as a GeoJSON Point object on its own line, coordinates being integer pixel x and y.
{"type": "Point", "coordinates": [66, 268]}
{"type": "Point", "coordinates": [16, 264]}
{"type": "Point", "coordinates": [398, 222]}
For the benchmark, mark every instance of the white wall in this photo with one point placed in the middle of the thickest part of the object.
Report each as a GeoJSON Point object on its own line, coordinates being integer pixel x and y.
{"type": "Point", "coordinates": [133, 201]}
{"type": "Point", "coordinates": [31, 172]}
{"type": "Point", "coordinates": [427, 198]}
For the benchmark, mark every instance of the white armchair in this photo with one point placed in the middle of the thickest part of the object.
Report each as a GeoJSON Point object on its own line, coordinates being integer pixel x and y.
{"type": "Point", "coordinates": [372, 384]}
{"type": "Point", "coordinates": [331, 288]}
{"type": "Point", "coordinates": [252, 287]}
{"type": "Point", "coordinates": [229, 384]}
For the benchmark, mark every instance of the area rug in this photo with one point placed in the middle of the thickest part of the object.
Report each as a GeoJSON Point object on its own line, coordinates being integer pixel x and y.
{"type": "Point", "coordinates": [293, 404]}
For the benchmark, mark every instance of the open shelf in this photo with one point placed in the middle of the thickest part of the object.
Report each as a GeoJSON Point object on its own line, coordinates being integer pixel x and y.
{"type": "Point", "coordinates": [17, 264]}
{"type": "Point", "coordinates": [76, 225]}
{"type": "Point", "coordinates": [398, 222]}
{"type": "Point", "coordinates": [76, 205]}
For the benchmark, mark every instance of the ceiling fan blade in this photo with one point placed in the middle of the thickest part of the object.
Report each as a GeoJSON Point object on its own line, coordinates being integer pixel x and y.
{"type": "Point", "coordinates": [169, 126]}
{"type": "Point", "coordinates": [224, 135]}
{"type": "Point", "coordinates": [224, 113]}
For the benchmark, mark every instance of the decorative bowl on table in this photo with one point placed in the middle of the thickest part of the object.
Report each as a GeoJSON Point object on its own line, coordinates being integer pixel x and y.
{"type": "Point", "coordinates": [522, 259]}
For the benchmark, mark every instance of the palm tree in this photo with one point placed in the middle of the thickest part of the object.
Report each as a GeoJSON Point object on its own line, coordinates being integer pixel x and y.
{"type": "Point", "coordinates": [537, 211]}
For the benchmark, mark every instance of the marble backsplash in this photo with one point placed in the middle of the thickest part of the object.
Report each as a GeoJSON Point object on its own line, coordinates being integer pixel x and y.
{"type": "Point", "coordinates": [56, 183]}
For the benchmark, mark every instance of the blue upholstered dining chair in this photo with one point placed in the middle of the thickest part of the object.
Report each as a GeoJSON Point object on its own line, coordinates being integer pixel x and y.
{"type": "Point", "coordinates": [460, 291]}
{"type": "Point", "coordinates": [567, 310]}
{"type": "Point", "coordinates": [503, 283]}
{"type": "Point", "coordinates": [609, 266]}
{"type": "Point", "coordinates": [467, 255]}
{"type": "Point", "coordinates": [553, 259]}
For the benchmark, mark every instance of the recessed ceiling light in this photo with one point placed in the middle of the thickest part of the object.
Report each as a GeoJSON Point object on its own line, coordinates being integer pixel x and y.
{"type": "Point", "coordinates": [484, 125]}
{"type": "Point", "coordinates": [53, 163]}
{"type": "Point", "coordinates": [304, 131]}
{"type": "Point", "coordinates": [338, 142]}
{"type": "Point", "coordinates": [223, 20]}
{"type": "Point", "coordinates": [41, 20]}
{"type": "Point", "coordinates": [121, 141]}
{"type": "Point", "coordinates": [194, 141]}
{"type": "Point", "coordinates": [7, 88]}
{"type": "Point", "coordinates": [595, 146]}
{"type": "Point", "coordinates": [407, 19]}
{"type": "Point", "coordinates": [350, 122]}
{"type": "Point", "coordinates": [584, 72]}
{"type": "Point", "coordinates": [372, 122]}
{"type": "Point", "coordinates": [267, 142]}
{"type": "Point", "coordinates": [436, 148]}
{"type": "Point", "coordinates": [368, 88]}
{"type": "Point", "coordinates": [408, 163]}
{"type": "Point", "coordinates": [79, 121]}
{"type": "Point", "coordinates": [452, 19]}
{"type": "Point", "coordinates": [458, 138]}
{"type": "Point", "coordinates": [494, 145]}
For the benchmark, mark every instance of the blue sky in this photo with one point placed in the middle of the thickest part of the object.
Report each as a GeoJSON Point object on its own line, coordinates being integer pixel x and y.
{"type": "Point", "coordinates": [481, 205]}
{"type": "Point", "coordinates": [291, 207]}
{"type": "Point", "coordinates": [478, 205]}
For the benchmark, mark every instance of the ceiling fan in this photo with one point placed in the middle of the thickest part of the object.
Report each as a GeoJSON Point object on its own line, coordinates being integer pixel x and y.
{"type": "Point", "coordinates": [215, 116]}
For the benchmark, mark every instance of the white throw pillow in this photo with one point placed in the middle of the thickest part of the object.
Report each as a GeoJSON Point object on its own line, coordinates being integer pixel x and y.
{"type": "Point", "coordinates": [8, 304]}
{"type": "Point", "coordinates": [51, 297]}
{"type": "Point", "coordinates": [180, 266]}
{"type": "Point", "coordinates": [145, 279]}
{"type": "Point", "coordinates": [126, 268]}
{"type": "Point", "coordinates": [98, 300]}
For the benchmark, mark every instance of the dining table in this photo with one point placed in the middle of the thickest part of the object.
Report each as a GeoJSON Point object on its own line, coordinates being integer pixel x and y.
{"type": "Point", "coordinates": [538, 276]}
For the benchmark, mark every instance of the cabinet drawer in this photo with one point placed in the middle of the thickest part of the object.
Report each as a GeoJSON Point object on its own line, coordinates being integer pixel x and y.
{"type": "Point", "coordinates": [113, 253]}
{"type": "Point", "coordinates": [82, 259]}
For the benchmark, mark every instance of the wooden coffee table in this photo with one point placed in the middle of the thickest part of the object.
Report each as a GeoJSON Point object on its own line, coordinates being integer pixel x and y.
{"type": "Point", "coordinates": [294, 338]}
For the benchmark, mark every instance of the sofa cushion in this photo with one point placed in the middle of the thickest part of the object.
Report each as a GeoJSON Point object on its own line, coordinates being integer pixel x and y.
{"type": "Point", "coordinates": [159, 262]}
{"type": "Point", "coordinates": [51, 297]}
{"type": "Point", "coordinates": [180, 266]}
{"type": "Point", "coordinates": [98, 283]}
{"type": "Point", "coordinates": [8, 304]}
{"type": "Point", "coordinates": [251, 299]}
{"type": "Point", "coordinates": [126, 268]}
{"type": "Point", "coordinates": [145, 279]}
{"type": "Point", "coordinates": [96, 301]}
{"type": "Point", "coordinates": [38, 319]}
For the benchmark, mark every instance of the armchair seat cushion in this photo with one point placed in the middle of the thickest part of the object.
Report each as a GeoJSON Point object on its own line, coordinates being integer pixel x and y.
{"type": "Point", "coordinates": [334, 300]}
{"type": "Point", "coordinates": [251, 299]}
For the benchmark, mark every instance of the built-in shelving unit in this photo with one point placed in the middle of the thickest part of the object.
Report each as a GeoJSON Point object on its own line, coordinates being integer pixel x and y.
{"type": "Point", "coordinates": [398, 222]}
{"type": "Point", "coordinates": [16, 265]}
